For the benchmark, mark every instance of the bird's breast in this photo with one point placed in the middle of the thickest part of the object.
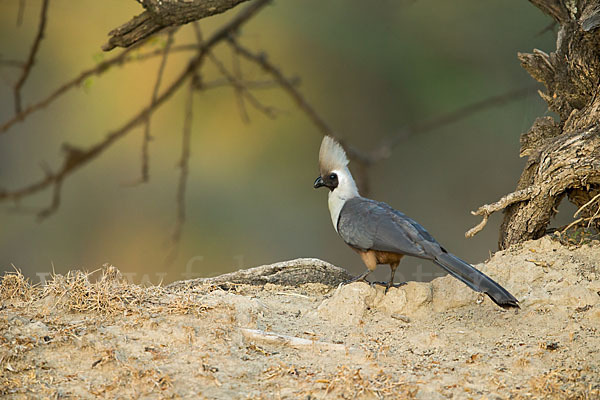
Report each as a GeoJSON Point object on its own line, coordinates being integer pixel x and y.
{"type": "Point", "coordinates": [335, 204]}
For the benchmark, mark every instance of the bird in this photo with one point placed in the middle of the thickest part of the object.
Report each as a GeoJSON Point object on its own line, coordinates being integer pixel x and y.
{"type": "Point", "coordinates": [382, 235]}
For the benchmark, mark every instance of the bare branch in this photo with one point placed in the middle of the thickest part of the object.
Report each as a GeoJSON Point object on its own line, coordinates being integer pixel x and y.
{"type": "Point", "coordinates": [120, 59]}
{"type": "Point", "coordinates": [20, 12]}
{"type": "Point", "coordinates": [288, 86]}
{"type": "Point", "coordinates": [554, 8]}
{"type": "Point", "coordinates": [98, 69]}
{"type": "Point", "coordinates": [251, 85]}
{"type": "Point", "coordinates": [11, 63]}
{"type": "Point", "coordinates": [51, 209]}
{"type": "Point", "coordinates": [486, 210]}
{"type": "Point", "coordinates": [241, 89]}
{"type": "Point", "coordinates": [385, 148]}
{"type": "Point", "coordinates": [237, 73]}
{"type": "Point", "coordinates": [147, 136]}
{"type": "Point", "coordinates": [31, 59]}
{"type": "Point", "coordinates": [76, 158]}
{"type": "Point", "coordinates": [161, 14]}
{"type": "Point", "coordinates": [583, 207]}
{"type": "Point", "coordinates": [184, 169]}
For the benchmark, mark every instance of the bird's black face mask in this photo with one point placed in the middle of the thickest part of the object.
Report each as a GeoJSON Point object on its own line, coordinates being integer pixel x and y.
{"type": "Point", "coordinates": [330, 181]}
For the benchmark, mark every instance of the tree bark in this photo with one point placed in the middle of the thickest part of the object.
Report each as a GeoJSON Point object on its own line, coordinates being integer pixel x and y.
{"type": "Point", "coordinates": [563, 155]}
{"type": "Point", "coordinates": [161, 14]}
{"type": "Point", "coordinates": [286, 273]}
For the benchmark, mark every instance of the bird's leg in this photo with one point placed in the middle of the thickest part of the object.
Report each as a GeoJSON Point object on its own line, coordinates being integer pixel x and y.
{"type": "Point", "coordinates": [390, 283]}
{"type": "Point", "coordinates": [370, 261]}
{"type": "Point", "coordinates": [360, 278]}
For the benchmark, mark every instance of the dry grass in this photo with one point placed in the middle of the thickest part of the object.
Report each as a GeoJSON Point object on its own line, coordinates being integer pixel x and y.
{"type": "Point", "coordinates": [559, 385]}
{"type": "Point", "coordinates": [354, 383]}
{"type": "Point", "coordinates": [109, 294]}
{"type": "Point", "coordinates": [14, 286]}
{"type": "Point", "coordinates": [345, 383]}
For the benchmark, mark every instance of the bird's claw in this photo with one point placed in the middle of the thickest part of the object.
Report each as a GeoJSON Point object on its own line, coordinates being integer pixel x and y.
{"type": "Point", "coordinates": [360, 278]}
{"type": "Point", "coordinates": [388, 285]}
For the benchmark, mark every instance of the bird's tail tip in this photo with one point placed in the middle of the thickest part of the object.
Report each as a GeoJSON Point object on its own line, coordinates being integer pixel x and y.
{"type": "Point", "coordinates": [504, 300]}
{"type": "Point", "coordinates": [508, 304]}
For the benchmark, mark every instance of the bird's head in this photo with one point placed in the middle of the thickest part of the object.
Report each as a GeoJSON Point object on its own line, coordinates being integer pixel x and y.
{"type": "Point", "coordinates": [333, 165]}
{"type": "Point", "coordinates": [330, 181]}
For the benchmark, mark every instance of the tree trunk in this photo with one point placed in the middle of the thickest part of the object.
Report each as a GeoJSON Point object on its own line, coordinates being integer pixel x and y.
{"type": "Point", "coordinates": [563, 155]}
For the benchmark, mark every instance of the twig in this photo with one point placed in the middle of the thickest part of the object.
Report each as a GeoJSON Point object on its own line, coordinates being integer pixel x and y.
{"type": "Point", "coordinates": [76, 158]}
{"type": "Point", "coordinates": [240, 89]}
{"type": "Point", "coordinates": [100, 68]}
{"type": "Point", "coordinates": [57, 186]}
{"type": "Point", "coordinates": [237, 72]}
{"type": "Point", "coordinates": [486, 210]}
{"type": "Point", "coordinates": [31, 59]}
{"type": "Point", "coordinates": [547, 28]}
{"type": "Point", "coordinates": [290, 341]}
{"type": "Point", "coordinates": [582, 219]}
{"type": "Point", "coordinates": [596, 197]}
{"type": "Point", "coordinates": [20, 12]}
{"type": "Point", "coordinates": [294, 93]}
{"type": "Point", "coordinates": [147, 137]}
{"type": "Point", "coordinates": [254, 85]}
{"type": "Point", "coordinates": [11, 63]}
{"type": "Point", "coordinates": [384, 149]}
{"type": "Point", "coordinates": [183, 169]}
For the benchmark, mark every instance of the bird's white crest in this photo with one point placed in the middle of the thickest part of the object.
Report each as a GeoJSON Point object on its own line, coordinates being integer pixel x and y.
{"type": "Point", "coordinates": [333, 159]}
{"type": "Point", "coordinates": [331, 155]}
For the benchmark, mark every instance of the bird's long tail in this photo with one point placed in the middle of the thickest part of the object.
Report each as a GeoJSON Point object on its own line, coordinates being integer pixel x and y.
{"type": "Point", "coordinates": [476, 280]}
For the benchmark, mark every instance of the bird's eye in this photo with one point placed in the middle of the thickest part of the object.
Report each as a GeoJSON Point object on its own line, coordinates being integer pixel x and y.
{"type": "Point", "coordinates": [333, 176]}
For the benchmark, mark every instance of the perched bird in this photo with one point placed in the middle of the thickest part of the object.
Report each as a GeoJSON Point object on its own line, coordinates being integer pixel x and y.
{"type": "Point", "coordinates": [383, 235]}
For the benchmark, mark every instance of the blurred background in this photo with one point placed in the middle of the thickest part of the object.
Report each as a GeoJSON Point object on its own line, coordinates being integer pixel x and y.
{"type": "Point", "coordinates": [369, 69]}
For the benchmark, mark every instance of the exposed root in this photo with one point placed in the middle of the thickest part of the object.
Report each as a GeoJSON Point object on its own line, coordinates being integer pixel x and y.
{"type": "Point", "coordinates": [486, 210]}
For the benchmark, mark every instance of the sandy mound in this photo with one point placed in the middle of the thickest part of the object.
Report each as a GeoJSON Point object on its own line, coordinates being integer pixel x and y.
{"type": "Point", "coordinates": [222, 339]}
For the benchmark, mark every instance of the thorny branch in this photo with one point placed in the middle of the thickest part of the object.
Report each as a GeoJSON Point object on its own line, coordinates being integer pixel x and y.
{"type": "Point", "coordinates": [31, 59]}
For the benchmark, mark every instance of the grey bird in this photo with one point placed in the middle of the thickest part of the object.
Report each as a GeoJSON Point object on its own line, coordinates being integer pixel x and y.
{"type": "Point", "coordinates": [383, 235]}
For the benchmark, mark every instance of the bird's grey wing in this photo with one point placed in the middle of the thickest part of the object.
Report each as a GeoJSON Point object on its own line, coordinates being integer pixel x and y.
{"type": "Point", "coordinates": [426, 235]}
{"type": "Point", "coordinates": [355, 223]}
{"type": "Point", "coordinates": [370, 225]}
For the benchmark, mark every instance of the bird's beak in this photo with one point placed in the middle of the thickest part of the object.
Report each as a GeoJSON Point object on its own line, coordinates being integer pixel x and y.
{"type": "Point", "coordinates": [318, 183]}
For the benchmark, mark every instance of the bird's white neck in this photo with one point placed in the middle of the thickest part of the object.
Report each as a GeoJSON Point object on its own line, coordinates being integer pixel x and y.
{"type": "Point", "coordinates": [345, 190]}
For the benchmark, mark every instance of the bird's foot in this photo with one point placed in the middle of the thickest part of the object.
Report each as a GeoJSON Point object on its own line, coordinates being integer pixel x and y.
{"type": "Point", "coordinates": [388, 285]}
{"type": "Point", "coordinates": [360, 278]}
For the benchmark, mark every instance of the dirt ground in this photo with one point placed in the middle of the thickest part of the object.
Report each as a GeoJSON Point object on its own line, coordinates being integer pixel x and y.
{"type": "Point", "coordinates": [78, 337]}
